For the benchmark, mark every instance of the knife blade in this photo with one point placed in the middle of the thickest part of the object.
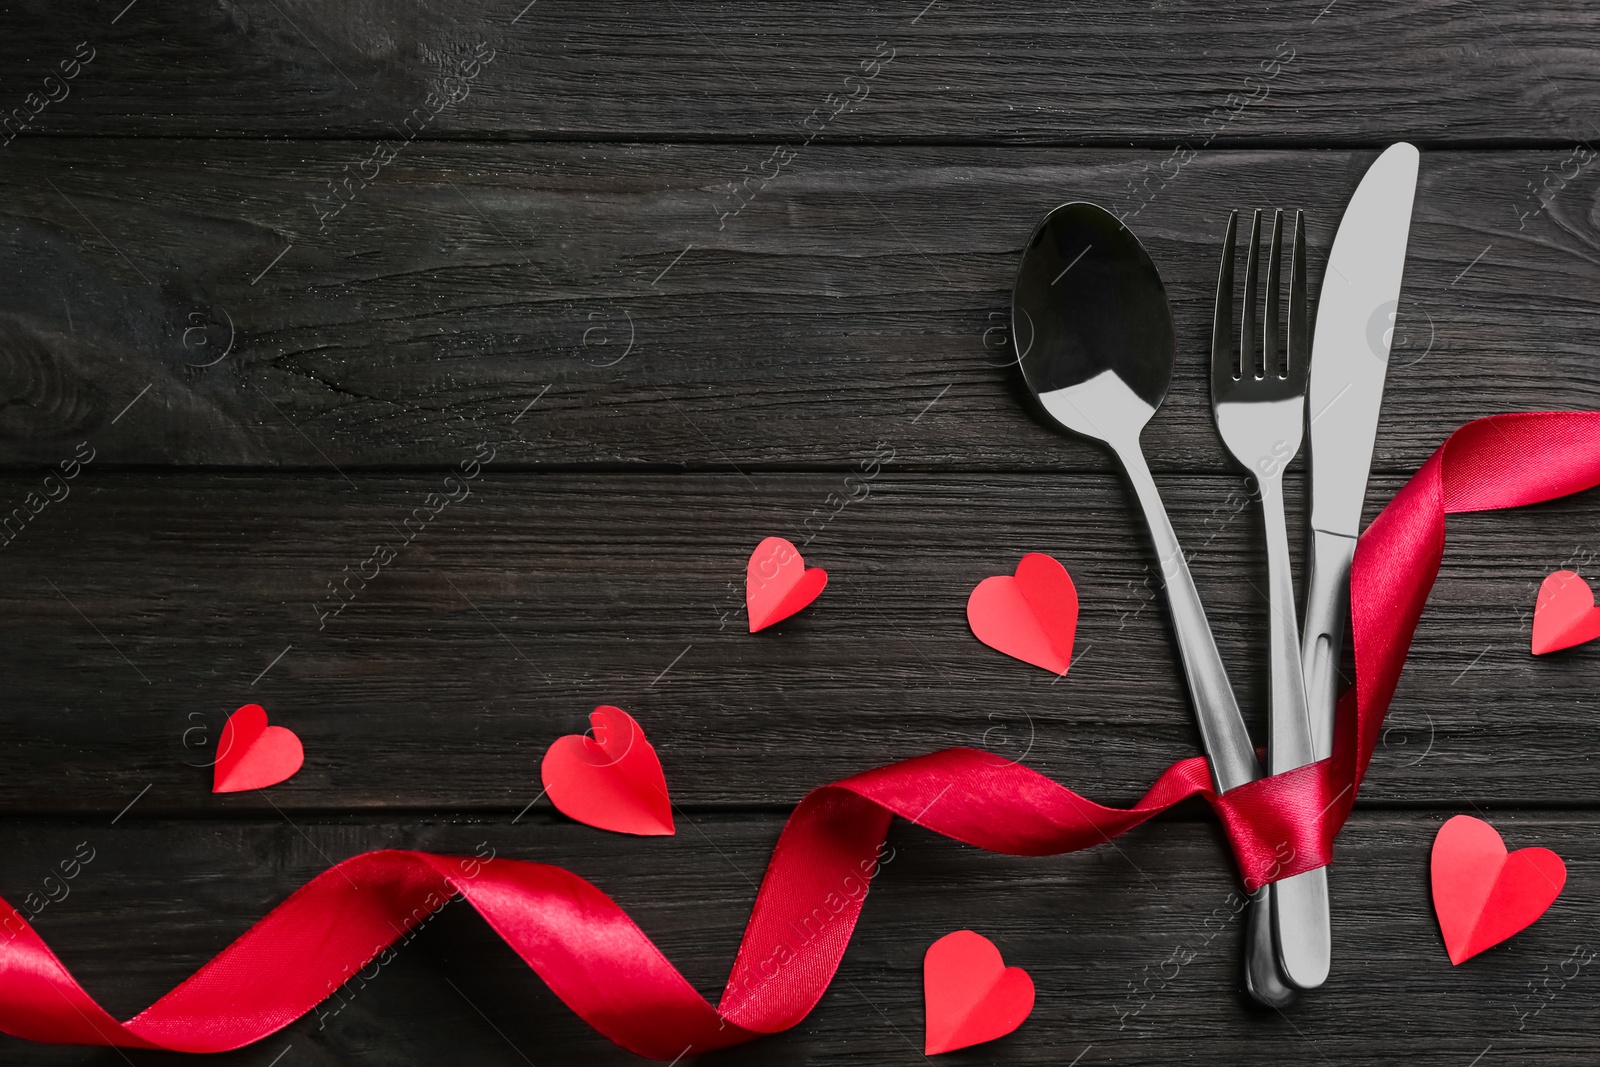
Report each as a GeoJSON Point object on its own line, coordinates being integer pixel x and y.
{"type": "Point", "coordinates": [1349, 360]}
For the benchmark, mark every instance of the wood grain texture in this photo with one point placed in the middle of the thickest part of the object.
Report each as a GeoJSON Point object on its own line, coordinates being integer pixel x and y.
{"type": "Point", "coordinates": [1097, 930]}
{"type": "Point", "coordinates": [252, 390]}
{"type": "Point", "coordinates": [1104, 72]}
{"type": "Point", "coordinates": [864, 296]}
{"type": "Point", "coordinates": [147, 607]}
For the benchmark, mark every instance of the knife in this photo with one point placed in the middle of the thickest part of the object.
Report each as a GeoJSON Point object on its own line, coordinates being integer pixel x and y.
{"type": "Point", "coordinates": [1349, 356]}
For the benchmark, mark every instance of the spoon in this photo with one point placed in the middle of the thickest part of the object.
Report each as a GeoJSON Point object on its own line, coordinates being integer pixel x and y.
{"type": "Point", "coordinates": [1091, 324]}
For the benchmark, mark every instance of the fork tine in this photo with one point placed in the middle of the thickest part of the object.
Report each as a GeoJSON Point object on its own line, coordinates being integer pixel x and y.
{"type": "Point", "coordinates": [1271, 321]}
{"type": "Point", "coordinates": [1299, 328]}
{"type": "Point", "coordinates": [1247, 318]}
{"type": "Point", "coordinates": [1224, 367]}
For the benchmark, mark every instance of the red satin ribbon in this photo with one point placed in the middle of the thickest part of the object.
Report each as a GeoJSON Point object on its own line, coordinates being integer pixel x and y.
{"type": "Point", "coordinates": [603, 966]}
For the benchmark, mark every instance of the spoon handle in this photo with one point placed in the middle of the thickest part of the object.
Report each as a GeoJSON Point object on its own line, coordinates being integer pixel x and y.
{"type": "Point", "coordinates": [1262, 980]}
{"type": "Point", "coordinates": [1222, 729]}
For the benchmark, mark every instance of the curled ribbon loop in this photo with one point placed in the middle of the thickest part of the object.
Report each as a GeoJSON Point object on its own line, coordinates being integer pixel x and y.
{"type": "Point", "coordinates": [602, 965]}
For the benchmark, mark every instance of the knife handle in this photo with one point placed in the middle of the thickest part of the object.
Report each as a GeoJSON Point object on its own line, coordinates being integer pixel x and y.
{"type": "Point", "coordinates": [1322, 643]}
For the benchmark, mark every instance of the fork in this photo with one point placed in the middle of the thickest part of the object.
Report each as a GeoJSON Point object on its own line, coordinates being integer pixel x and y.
{"type": "Point", "coordinates": [1260, 413]}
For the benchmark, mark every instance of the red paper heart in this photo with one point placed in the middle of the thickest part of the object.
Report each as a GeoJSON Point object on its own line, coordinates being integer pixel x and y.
{"type": "Point", "coordinates": [612, 780]}
{"type": "Point", "coordinates": [1564, 614]}
{"type": "Point", "coordinates": [777, 583]}
{"type": "Point", "coordinates": [971, 995]}
{"type": "Point", "coordinates": [1484, 895]}
{"type": "Point", "coordinates": [253, 755]}
{"type": "Point", "coordinates": [1032, 616]}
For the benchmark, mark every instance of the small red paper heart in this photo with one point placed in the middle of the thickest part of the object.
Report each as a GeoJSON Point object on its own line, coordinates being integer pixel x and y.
{"type": "Point", "coordinates": [1564, 614]}
{"type": "Point", "coordinates": [1032, 616]}
{"type": "Point", "coordinates": [1484, 895]}
{"type": "Point", "coordinates": [971, 995]}
{"type": "Point", "coordinates": [253, 755]}
{"type": "Point", "coordinates": [777, 583]}
{"type": "Point", "coordinates": [611, 781]}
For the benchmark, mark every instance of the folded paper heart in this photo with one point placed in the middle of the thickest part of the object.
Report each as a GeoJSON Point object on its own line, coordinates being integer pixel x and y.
{"type": "Point", "coordinates": [1032, 616]}
{"type": "Point", "coordinates": [777, 583]}
{"type": "Point", "coordinates": [1564, 613]}
{"type": "Point", "coordinates": [612, 780]}
{"type": "Point", "coordinates": [1483, 894]}
{"type": "Point", "coordinates": [971, 995]}
{"type": "Point", "coordinates": [253, 755]}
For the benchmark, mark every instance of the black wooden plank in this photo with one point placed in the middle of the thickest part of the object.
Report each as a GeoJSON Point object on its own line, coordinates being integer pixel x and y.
{"type": "Point", "coordinates": [856, 301]}
{"type": "Point", "coordinates": [1110, 72]}
{"type": "Point", "coordinates": [1091, 928]}
{"type": "Point", "coordinates": [144, 607]}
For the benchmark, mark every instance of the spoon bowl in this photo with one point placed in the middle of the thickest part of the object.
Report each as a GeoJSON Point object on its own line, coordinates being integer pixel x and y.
{"type": "Point", "coordinates": [1091, 319]}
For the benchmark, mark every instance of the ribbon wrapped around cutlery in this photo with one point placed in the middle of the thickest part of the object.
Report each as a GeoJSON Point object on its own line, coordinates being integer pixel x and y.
{"type": "Point", "coordinates": [598, 961]}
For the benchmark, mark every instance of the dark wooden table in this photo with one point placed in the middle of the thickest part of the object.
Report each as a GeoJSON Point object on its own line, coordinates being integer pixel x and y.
{"type": "Point", "coordinates": [676, 341]}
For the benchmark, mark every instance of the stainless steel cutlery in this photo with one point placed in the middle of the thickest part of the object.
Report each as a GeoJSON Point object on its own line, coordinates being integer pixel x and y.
{"type": "Point", "coordinates": [1096, 345]}
{"type": "Point", "coordinates": [1349, 360]}
{"type": "Point", "coordinates": [1099, 362]}
{"type": "Point", "coordinates": [1259, 403]}
{"type": "Point", "coordinates": [1094, 332]}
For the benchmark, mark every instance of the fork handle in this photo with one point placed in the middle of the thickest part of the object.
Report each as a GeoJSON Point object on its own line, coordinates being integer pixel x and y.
{"type": "Point", "coordinates": [1289, 744]}
{"type": "Point", "coordinates": [1301, 925]}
